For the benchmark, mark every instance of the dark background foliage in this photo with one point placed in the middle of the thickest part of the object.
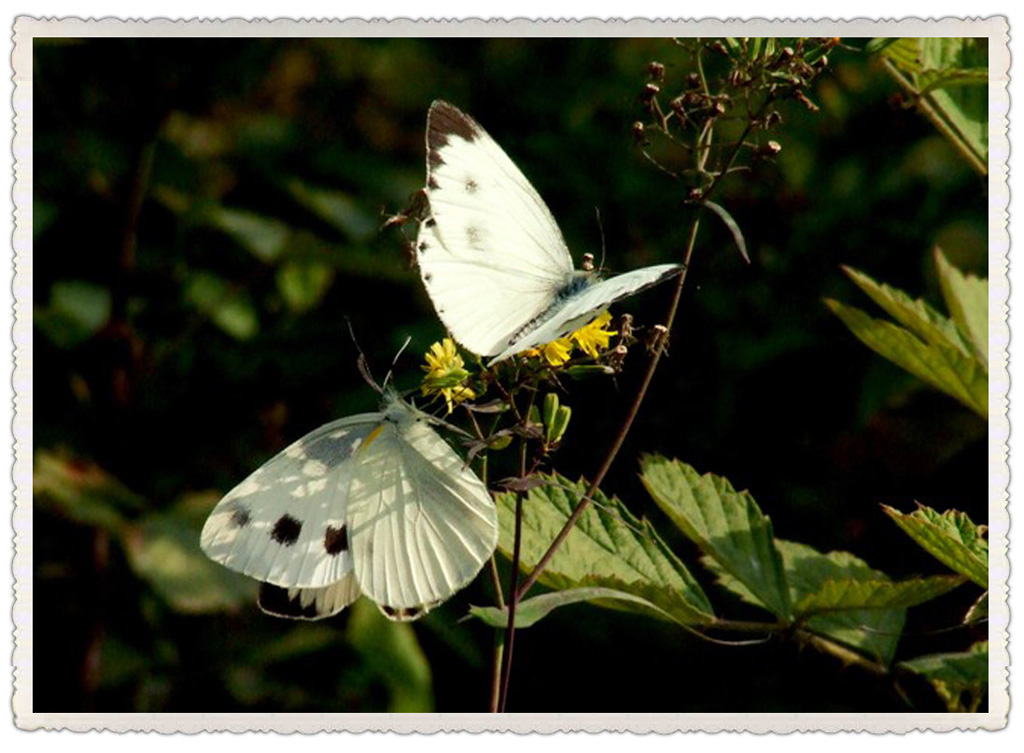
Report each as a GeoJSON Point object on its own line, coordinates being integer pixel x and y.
{"type": "Point", "coordinates": [207, 217]}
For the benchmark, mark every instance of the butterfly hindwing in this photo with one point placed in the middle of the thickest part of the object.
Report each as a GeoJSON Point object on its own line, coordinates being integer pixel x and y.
{"type": "Point", "coordinates": [286, 523]}
{"type": "Point", "coordinates": [488, 236]}
{"type": "Point", "coordinates": [309, 603]}
{"type": "Point", "coordinates": [422, 524]}
{"type": "Point", "coordinates": [583, 306]}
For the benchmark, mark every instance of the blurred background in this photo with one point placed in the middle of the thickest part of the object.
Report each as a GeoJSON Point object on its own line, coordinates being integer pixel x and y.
{"type": "Point", "coordinates": [207, 215]}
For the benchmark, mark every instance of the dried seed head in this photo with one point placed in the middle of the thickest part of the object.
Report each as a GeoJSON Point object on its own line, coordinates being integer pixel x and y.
{"type": "Point", "coordinates": [638, 131]}
{"type": "Point", "coordinates": [656, 69]}
{"type": "Point", "coordinates": [650, 91]}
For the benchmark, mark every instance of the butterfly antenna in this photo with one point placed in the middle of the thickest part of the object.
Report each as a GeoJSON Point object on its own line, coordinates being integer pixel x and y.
{"type": "Point", "coordinates": [394, 361]}
{"type": "Point", "coordinates": [600, 228]}
{"type": "Point", "coordinates": [361, 363]}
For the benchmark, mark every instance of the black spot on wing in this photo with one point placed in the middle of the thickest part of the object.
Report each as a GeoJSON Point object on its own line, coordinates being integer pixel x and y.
{"type": "Point", "coordinates": [430, 222]}
{"type": "Point", "coordinates": [275, 600]}
{"type": "Point", "coordinates": [432, 182]}
{"type": "Point", "coordinates": [240, 516]}
{"type": "Point", "coordinates": [423, 247]}
{"type": "Point", "coordinates": [286, 530]}
{"type": "Point", "coordinates": [434, 160]}
{"type": "Point", "coordinates": [428, 277]}
{"type": "Point", "coordinates": [335, 540]}
{"type": "Point", "coordinates": [471, 186]}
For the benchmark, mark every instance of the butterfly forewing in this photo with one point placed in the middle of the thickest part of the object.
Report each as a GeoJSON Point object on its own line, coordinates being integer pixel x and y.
{"type": "Point", "coordinates": [422, 524]}
{"type": "Point", "coordinates": [490, 254]}
{"type": "Point", "coordinates": [286, 523]}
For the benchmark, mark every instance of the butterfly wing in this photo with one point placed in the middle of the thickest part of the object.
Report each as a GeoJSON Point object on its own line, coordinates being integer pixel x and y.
{"type": "Point", "coordinates": [309, 603]}
{"type": "Point", "coordinates": [422, 524]}
{"type": "Point", "coordinates": [286, 523]}
{"type": "Point", "coordinates": [490, 254]}
{"type": "Point", "coordinates": [582, 307]}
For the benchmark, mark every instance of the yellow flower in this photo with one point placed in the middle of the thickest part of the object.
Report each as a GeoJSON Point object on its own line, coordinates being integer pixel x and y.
{"type": "Point", "coordinates": [446, 374]}
{"type": "Point", "coordinates": [555, 352]}
{"type": "Point", "coordinates": [594, 337]}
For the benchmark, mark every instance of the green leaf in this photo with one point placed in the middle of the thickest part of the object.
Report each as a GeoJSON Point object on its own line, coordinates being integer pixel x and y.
{"type": "Point", "coordinates": [391, 651]}
{"type": "Point", "coordinates": [960, 679]}
{"type": "Point", "coordinates": [532, 610]}
{"type": "Point", "coordinates": [967, 299]}
{"type": "Point", "coordinates": [77, 310]}
{"type": "Point", "coordinates": [81, 491]}
{"type": "Point", "coordinates": [232, 310]}
{"type": "Point", "coordinates": [734, 228]}
{"type": "Point", "coordinates": [727, 525]}
{"type": "Point", "coordinates": [165, 553]}
{"type": "Point", "coordinates": [871, 631]}
{"type": "Point", "coordinates": [303, 283]}
{"type": "Point", "coordinates": [337, 208]}
{"type": "Point", "coordinates": [963, 107]}
{"type": "Point", "coordinates": [851, 593]}
{"type": "Point", "coordinates": [914, 314]}
{"type": "Point", "coordinates": [608, 547]}
{"type": "Point", "coordinates": [904, 53]}
{"type": "Point", "coordinates": [265, 237]}
{"type": "Point", "coordinates": [943, 367]}
{"type": "Point", "coordinates": [951, 537]}
{"type": "Point", "coordinates": [978, 611]}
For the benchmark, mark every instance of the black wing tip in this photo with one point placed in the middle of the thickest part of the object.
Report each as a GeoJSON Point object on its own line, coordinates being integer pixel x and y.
{"type": "Point", "coordinates": [444, 120]}
{"type": "Point", "coordinates": [275, 601]}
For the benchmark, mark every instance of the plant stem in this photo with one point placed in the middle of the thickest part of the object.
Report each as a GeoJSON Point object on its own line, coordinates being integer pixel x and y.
{"type": "Point", "coordinates": [496, 670]}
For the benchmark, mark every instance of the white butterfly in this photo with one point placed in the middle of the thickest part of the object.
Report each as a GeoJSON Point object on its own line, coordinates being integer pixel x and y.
{"type": "Point", "coordinates": [490, 254]}
{"type": "Point", "coordinates": [375, 504]}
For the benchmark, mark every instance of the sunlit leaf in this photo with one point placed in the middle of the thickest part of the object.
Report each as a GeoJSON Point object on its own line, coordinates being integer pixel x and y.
{"type": "Point", "coordinates": [727, 525]}
{"type": "Point", "coordinates": [265, 237]}
{"type": "Point", "coordinates": [978, 611]}
{"type": "Point", "coordinates": [231, 309]}
{"type": "Point", "coordinates": [951, 537]}
{"type": "Point", "coordinates": [734, 228]}
{"type": "Point", "coordinates": [871, 631]}
{"type": "Point", "coordinates": [303, 283]}
{"type": "Point", "coordinates": [165, 552]}
{"type": "Point", "coordinates": [608, 547]}
{"type": "Point", "coordinates": [967, 299]}
{"type": "Point", "coordinates": [532, 610]}
{"type": "Point", "coordinates": [941, 366]}
{"type": "Point", "coordinates": [82, 491]}
{"type": "Point", "coordinates": [76, 311]}
{"type": "Point", "coordinates": [853, 593]}
{"type": "Point", "coordinates": [913, 313]}
{"type": "Point", "coordinates": [960, 679]}
{"type": "Point", "coordinates": [390, 650]}
{"type": "Point", "coordinates": [337, 208]}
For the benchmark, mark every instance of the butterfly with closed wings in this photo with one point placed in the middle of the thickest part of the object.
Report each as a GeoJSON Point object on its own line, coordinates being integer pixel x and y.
{"type": "Point", "coordinates": [490, 254]}
{"type": "Point", "coordinates": [375, 504]}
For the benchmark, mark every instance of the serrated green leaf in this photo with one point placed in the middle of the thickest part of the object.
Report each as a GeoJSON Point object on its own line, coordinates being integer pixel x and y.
{"type": "Point", "coordinates": [532, 610]}
{"type": "Point", "coordinates": [967, 299]}
{"type": "Point", "coordinates": [913, 313]}
{"type": "Point", "coordinates": [951, 537]}
{"type": "Point", "coordinates": [391, 651]}
{"type": "Point", "coordinates": [608, 547]}
{"type": "Point", "coordinates": [165, 553]}
{"type": "Point", "coordinates": [871, 631]}
{"type": "Point", "coordinates": [303, 283]}
{"type": "Point", "coordinates": [843, 594]}
{"type": "Point", "coordinates": [978, 611]}
{"type": "Point", "coordinates": [961, 679]}
{"type": "Point", "coordinates": [904, 53]}
{"type": "Point", "coordinates": [943, 367]}
{"type": "Point", "coordinates": [727, 525]}
{"type": "Point", "coordinates": [931, 80]}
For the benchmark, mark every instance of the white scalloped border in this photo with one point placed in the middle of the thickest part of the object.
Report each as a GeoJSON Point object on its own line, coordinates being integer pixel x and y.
{"type": "Point", "coordinates": [996, 28]}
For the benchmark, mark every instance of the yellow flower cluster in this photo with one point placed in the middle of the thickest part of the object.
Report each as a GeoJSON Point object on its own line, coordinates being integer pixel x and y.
{"type": "Point", "coordinates": [591, 339]}
{"type": "Point", "coordinates": [446, 374]}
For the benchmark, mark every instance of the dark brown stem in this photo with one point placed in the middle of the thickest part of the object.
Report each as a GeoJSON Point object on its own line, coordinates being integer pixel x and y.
{"type": "Point", "coordinates": [513, 590]}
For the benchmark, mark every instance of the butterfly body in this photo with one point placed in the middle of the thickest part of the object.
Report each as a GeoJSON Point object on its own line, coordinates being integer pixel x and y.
{"type": "Point", "coordinates": [376, 504]}
{"type": "Point", "coordinates": [490, 254]}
